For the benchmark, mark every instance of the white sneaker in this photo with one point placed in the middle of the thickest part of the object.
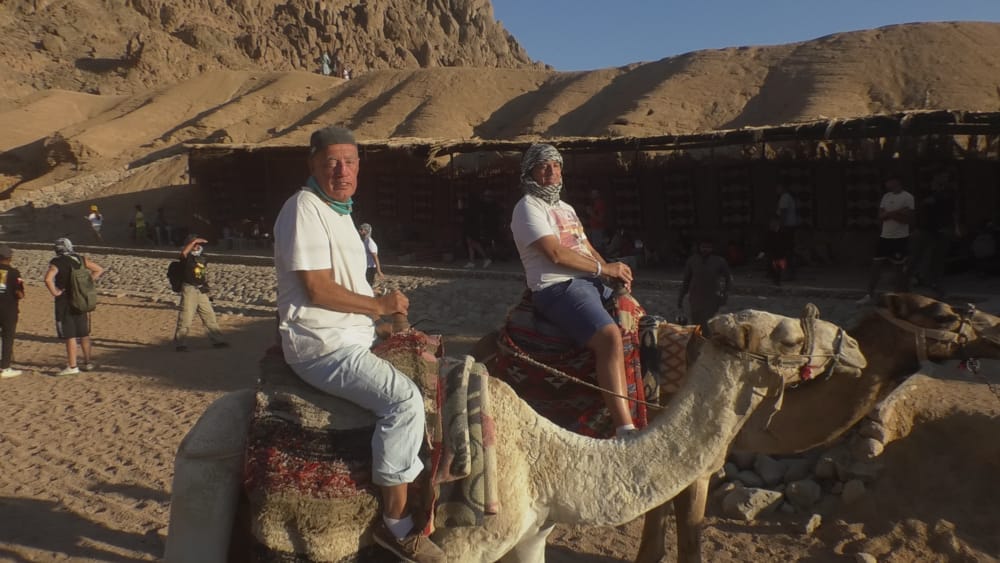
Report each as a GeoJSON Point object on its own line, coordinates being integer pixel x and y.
{"type": "Point", "coordinates": [470, 264]}
{"type": "Point", "coordinates": [487, 262]}
{"type": "Point", "coordinates": [69, 371]}
{"type": "Point", "coordinates": [7, 373]}
{"type": "Point", "coordinates": [866, 300]}
{"type": "Point", "coordinates": [89, 366]}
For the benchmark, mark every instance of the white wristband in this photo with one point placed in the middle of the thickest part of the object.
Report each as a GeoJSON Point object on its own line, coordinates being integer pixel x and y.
{"type": "Point", "coordinates": [599, 269]}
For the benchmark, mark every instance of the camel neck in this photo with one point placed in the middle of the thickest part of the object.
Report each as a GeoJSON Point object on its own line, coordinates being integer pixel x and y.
{"type": "Point", "coordinates": [610, 482]}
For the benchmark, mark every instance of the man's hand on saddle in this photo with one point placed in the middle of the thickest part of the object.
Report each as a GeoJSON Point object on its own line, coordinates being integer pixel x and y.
{"type": "Point", "coordinates": [392, 302]}
{"type": "Point", "coordinates": [619, 271]}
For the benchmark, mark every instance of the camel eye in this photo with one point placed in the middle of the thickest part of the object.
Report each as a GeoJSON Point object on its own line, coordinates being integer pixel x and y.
{"type": "Point", "coordinates": [792, 342]}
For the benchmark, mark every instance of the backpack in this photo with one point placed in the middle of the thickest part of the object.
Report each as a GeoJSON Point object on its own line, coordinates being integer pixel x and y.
{"type": "Point", "coordinates": [82, 293]}
{"type": "Point", "coordinates": [175, 275]}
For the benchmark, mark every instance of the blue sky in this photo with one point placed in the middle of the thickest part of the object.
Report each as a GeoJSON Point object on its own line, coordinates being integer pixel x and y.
{"type": "Point", "coordinates": [589, 34]}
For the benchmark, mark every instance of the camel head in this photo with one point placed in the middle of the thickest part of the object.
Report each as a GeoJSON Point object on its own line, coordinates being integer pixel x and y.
{"type": "Point", "coordinates": [798, 349]}
{"type": "Point", "coordinates": [943, 331]}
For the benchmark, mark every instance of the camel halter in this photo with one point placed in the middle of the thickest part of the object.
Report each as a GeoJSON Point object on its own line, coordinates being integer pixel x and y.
{"type": "Point", "coordinates": [793, 369]}
{"type": "Point", "coordinates": [921, 334]}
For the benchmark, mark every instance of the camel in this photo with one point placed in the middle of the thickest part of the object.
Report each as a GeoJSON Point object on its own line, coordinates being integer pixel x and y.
{"type": "Point", "coordinates": [895, 337]}
{"type": "Point", "coordinates": [547, 475]}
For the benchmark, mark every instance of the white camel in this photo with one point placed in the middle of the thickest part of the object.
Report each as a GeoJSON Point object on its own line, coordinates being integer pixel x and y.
{"type": "Point", "coordinates": [547, 475]}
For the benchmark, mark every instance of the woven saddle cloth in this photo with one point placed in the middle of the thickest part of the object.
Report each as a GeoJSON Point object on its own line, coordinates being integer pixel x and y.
{"type": "Point", "coordinates": [308, 464]}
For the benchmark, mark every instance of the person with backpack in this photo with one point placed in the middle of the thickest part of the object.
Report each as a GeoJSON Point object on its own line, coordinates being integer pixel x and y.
{"type": "Point", "coordinates": [70, 279]}
{"type": "Point", "coordinates": [194, 295]}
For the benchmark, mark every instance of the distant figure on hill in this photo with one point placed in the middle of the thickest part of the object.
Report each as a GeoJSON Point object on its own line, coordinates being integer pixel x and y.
{"type": "Point", "coordinates": [324, 62]}
{"type": "Point", "coordinates": [896, 212]}
{"type": "Point", "coordinates": [96, 221]}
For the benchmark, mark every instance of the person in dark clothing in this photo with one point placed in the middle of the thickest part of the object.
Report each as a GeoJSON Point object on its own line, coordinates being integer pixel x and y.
{"type": "Point", "coordinates": [777, 250]}
{"type": "Point", "coordinates": [11, 293]}
{"type": "Point", "coordinates": [194, 296]}
{"type": "Point", "coordinates": [474, 230]}
{"type": "Point", "coordinates": [70, 326]}
{"type": "Point", "coordinates": [937, 223]}
{"type": "Point", "coordinates": [708, 279]}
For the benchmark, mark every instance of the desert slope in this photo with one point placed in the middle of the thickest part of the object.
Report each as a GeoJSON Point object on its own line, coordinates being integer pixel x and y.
{"type": "Point", "coordinates": [903, 67]}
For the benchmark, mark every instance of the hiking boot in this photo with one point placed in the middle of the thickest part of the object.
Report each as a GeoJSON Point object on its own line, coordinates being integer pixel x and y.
{"type": "Point", "coordinates": [89, 366]}
{"type": "Point", "coordinates": [69, 370]}
{"type": "Point", "coordinates": [469, 264]}
{"type": "Point", "coordinates": [415, 548]}
{"type": "Point", "coordinates": [181, 348]}
{"type": "Point", "coordinates": [220, 345]}
{"type": "Point", "coordinates": [866, 300]}
{"type": "Point", "coordinates": [487, 262]}
{"type": "Point", "coordinates": [7, 373]}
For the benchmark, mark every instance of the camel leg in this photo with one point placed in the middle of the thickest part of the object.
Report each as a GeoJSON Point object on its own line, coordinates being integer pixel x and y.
{"type": "Point", "coordinates": [652, 546]}
{"type": "Point", "coordinates": [531, 548]}
{"type": "Point", "coordinates": [207, 474]}
{"type": "Point", "coordinates": [690, 513]}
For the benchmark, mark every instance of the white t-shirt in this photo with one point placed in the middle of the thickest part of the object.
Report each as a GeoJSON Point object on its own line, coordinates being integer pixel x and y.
{"type": "Point", "coordinates": [893, 202]}
{"type": "Point", "coordinates": [533, 219]}
{"type": "Point", "coordinates": [372, 251]}
{"type": "Point", "coordinates": [308, 235]}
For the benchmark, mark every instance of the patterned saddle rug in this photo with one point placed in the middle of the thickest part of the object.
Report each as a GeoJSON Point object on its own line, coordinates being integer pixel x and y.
{"type": "Point", "coordinates": [575, 407]}
{"type": "Point", "coordinates": [308, 462]}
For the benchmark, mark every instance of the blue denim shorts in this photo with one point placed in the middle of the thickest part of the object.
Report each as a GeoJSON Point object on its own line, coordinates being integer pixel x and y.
{"type": "Point", "coordinates": [575, 306]}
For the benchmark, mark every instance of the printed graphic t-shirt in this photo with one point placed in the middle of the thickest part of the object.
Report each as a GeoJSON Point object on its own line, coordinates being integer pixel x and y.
{"type": "Point", "coordinates": [533, 219]}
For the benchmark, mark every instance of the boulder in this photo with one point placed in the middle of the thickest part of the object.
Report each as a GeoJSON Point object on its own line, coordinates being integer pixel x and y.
{"type": "Point", "coordinates": [747, 504]}
{"type": "Point", "coordinates": [769, 469]}
{"type": "Point", "coordinates": [853, 491]}
{"type": "Point", "coordinates": [804, 494]}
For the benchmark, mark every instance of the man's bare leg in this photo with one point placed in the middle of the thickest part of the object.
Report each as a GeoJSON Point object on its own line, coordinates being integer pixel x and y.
{"type": "Point", "coordinates": [610, 356]}
{"type": "Point", "coordinates": [71, 352]}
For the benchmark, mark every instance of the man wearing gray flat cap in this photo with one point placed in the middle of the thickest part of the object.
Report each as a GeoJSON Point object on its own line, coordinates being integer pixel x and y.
{"type": "Point", "coordinates": [326, 309]}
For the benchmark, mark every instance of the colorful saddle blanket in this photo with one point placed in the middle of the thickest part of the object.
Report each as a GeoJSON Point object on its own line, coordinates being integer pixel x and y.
{"type": "Point", "coordinates": [307, 472]}
{"type": "Point", "coordinates": [576, 407]}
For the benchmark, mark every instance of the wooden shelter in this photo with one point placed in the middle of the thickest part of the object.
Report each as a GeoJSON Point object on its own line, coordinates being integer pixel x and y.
{"type": "Point", "coordinates": [665, 190]}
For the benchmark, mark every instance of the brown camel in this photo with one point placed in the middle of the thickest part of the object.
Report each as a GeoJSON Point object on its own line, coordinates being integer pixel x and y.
{"type": "Point", "coordinates": [895, 336]}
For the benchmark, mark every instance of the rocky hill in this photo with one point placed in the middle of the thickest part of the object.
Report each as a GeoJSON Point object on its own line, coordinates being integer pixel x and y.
{"type": "Point", "coordinates": [76, 145]}
{"type": "Point", "coordinates": [128, 46]}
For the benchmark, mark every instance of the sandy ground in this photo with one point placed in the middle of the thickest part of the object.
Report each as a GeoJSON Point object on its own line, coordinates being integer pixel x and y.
{"type": "Point", "coordinates": [86, 461]}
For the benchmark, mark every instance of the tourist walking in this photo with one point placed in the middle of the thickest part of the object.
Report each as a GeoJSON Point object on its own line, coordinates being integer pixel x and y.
{"type": "Point", "coordinates": [72, 323]}
{"type": "Point", "coordinates": [96, 222]}
{"type": "Point", "coordinates": [326, 309]}
{"type": "Point", "coordinates": [11, 294]}
{"type": "Point", "coordinates": [895, 211]}
{"type": "Point", "coordinates": [139, 222]}
{"type": "Point", "coordinates": [195, 297]}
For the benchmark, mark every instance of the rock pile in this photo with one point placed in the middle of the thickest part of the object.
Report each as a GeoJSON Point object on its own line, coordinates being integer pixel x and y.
{"type": "Point", "coordinates": [752, 485]}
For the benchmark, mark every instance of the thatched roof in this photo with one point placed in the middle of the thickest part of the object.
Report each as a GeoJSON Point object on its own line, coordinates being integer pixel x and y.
{"type": "Point", "coordinates": [905, 124]}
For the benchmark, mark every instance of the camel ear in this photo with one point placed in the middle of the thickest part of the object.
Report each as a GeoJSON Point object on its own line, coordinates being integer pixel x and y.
{"type": "Point", "coordinates": [897, 303]}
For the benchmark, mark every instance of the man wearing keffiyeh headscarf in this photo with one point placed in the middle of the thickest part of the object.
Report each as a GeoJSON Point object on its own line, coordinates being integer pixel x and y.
{"type": "Point", "coordinates": [564, 273]}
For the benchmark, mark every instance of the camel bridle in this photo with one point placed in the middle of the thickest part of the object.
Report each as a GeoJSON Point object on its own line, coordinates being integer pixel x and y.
{"type": "Point", "coordinates": [921, 335]}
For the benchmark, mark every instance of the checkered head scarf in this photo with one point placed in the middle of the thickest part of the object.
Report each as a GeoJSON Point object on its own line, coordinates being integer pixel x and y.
{"type": "Point", "coordinates": [537, 154]}
{"type": "Point", "coordinates": [63, 246]}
